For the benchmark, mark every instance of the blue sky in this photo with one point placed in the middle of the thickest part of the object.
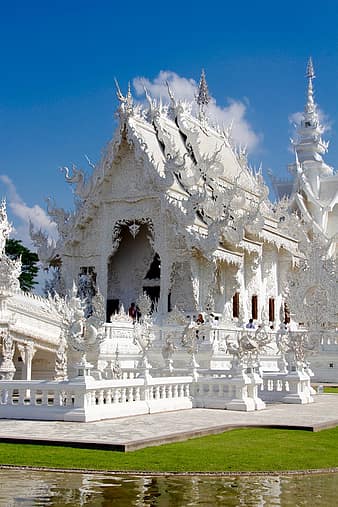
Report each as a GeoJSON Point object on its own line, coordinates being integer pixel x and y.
{"type": "Point", "coordinates": [59, 60]}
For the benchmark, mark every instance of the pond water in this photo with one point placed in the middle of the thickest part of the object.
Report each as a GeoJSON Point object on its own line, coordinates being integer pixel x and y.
{"type": "Point", "coordinates": [31, 488]}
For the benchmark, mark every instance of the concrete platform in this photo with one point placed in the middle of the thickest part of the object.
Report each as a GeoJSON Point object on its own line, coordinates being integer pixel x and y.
{"type": "Point", "coordinates": [131, 433]}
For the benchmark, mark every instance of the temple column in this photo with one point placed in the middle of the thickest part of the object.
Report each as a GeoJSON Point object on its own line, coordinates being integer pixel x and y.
{"type": "Point", "coordinates": [283, 268]}
{"type": "Point", "coordinates": [269, 283]}
{"type": "Point", "coordinates": [253, 284]}
{"type": "Point", "coordinates": [243, 301]}
{"type": "Point", "coordinates": [27, 352]}
{"type": "Point", "coordinates": [106, 245]}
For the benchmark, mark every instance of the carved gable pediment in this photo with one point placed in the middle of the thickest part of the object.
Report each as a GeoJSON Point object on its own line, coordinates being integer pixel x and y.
{"type": "Point", "coordinates": [129, 175]}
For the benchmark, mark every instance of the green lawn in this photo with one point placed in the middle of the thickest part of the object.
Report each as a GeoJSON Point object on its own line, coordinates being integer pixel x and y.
{"type": "Point", "coordinates": [237, 450]}
{"type": "Point", "coordinates": [331, 389]}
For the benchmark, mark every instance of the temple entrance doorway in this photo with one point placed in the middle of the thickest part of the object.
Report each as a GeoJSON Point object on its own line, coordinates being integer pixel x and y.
{"type": "Point", "coordinates": [133, 269]}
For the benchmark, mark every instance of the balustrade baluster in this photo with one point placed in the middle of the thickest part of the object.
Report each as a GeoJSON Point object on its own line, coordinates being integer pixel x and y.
{"type": "Point", "coordinates": [44, 398]}
{"type": "Point", "coordinates": [108, 396]}
{"type": "Point", "coordinates": [22, 396]}
{"type": "Point", "coordinates": [32, 399]}
{"type": "Point", "coordinates": [100, 397]}
{"type": "Point", "coordinates": [68, 399]}
{"type": "Point", "coordinates": [123, 395]}
{"type": "Point", "coordinates": [130, 397]}
{"type": "Point", "coordinates": [58, 399]}
{"type": "Point", "coordinates": [116, 395]}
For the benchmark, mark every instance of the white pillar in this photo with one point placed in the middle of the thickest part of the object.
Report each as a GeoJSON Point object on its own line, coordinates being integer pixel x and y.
{"type": "Point", "coordinates": [27, 352]}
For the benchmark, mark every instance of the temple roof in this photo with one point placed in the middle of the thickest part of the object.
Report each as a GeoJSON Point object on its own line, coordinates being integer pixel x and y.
{"type": "Point", "coordinates": [190, 163]}
{"type": "Point", "coordinates": [176, 134]}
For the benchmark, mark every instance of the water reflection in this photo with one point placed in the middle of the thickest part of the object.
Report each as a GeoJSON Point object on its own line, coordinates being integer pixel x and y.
{"type": "Point", "coordinates": [28, 488]}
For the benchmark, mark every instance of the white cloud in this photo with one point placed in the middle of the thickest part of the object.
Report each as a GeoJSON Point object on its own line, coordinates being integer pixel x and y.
{"type": "Point", "coordinates": [185, 89]}
{"type": "Point", "coordinates": [23, 214]}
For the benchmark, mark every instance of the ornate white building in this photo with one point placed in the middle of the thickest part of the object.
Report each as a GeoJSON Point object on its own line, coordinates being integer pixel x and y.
{"type": "Point", "coordinates": [174, 211]}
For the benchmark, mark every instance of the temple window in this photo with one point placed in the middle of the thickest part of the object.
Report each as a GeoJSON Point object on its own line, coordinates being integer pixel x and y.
{"type": "Point", "coordinates": [286, 313]}
{"type": "Point", "coordinates": [254, 307]}
{"type": "Point", "coordinates": [271, 309]}
{"type": "Point", "coordinates": [235, 305]}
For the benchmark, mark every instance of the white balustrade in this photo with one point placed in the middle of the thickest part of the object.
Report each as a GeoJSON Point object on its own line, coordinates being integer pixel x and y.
{"type": "Point", "coordinates": [85, 399]}
{"type": "Point", "coordinates": [234, 393]}
{"type": "Point", "coordinates": [293, 387]}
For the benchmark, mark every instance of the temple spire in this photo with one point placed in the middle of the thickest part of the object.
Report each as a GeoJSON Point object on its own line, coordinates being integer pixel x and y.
{"type": "Point", "coordinates": [308, 144]}
{"type": "Point", "coordinates": [310, 107]}
{"type": "Point", "coordinates": [310, 73]}
{"type": "Point", "coordinates": [202, 97]}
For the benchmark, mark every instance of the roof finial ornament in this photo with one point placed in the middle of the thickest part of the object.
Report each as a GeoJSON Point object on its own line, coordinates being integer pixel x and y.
{"type": "Point", "coordinates": [152, 105]}
{"type": "Point", "coordinates": [202, 97]}
{"type": "Point", "coordinates": [129, 95]}
{"type": "Point", "coordinates": [173, 104]}
{"type": "Point", "coordinates": [170, 93]}
{"type": "Point", "coordinates": [126, 102]}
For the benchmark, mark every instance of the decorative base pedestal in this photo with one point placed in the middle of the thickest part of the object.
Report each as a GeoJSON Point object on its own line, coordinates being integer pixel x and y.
{"type": "Point", "coordinates": [244, 405]}
{"type": "Point", "coordinates": [299, 388]}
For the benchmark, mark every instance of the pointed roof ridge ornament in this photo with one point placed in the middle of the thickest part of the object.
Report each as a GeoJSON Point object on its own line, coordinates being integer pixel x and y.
{"type": "Point", "coordinates": [118, 90]}
{"type": "Point", "coordinates": [126, 102]}
{"type": "Point", "coordinates": [170, 93]}
{"type": "Point", "coordinates": [150, 100]}
{"type": "Point", "coordinates": [202, 97]}
{"type": "Point", "coordinates": [172, 110]}
{"type": "Point", "coordinates": [129, 95]}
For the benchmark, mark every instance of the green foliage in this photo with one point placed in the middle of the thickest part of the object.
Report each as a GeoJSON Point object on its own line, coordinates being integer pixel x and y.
{"type": "Point", "coordinates": [14, 249]}
{"type": "Point", "coordinates": [255, 449]}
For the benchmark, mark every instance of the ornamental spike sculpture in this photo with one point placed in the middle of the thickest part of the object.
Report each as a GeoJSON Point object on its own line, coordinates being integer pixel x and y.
{"type": "Point", "coordinates": [202, 97]}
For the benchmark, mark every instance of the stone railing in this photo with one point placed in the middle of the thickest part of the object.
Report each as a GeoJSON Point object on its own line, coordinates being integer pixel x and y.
{"type": "Point", "coordinates": [291, 387]}
{"type": "Point", "coordinates": [238, 392]}
{"type": "Point", "coordinates": [275, 387]}
{"type": "Point", "coordinates": [329, 341]}
{"type": "Point", "coordinates": [85, 399]}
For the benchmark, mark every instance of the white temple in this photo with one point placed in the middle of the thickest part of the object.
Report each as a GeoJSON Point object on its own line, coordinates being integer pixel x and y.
{"type": "Point", "coordinates": [174, 220]}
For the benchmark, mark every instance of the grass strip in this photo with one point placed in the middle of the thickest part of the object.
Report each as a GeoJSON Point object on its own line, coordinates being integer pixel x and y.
{"type": "Point", "coordinates": [331, 389]}
{"type": "Point", "coordinates": [237, 450]}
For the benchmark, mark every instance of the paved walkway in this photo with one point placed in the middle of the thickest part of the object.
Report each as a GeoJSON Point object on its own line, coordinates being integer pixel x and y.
{"type": "Point", "coordinates": [130, 433]}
